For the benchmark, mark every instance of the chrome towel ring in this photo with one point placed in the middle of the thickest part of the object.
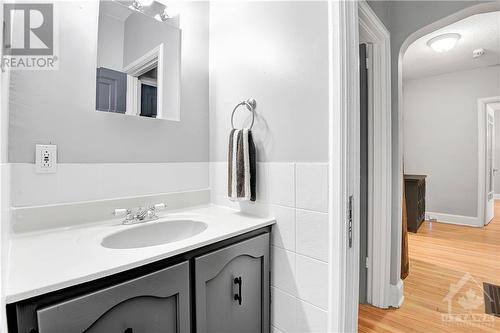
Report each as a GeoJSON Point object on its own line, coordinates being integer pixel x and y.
{"type": "Point", "coordinates": [250, 104]}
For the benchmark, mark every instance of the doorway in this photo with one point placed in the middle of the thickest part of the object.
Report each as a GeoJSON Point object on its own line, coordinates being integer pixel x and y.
{"type": "Point", "coordinates": [364, 105]}
{"type": "Point", "coordinates": [375, 159]}
{"type": "Point", "coordinates": [488, 184]}
{"type": "Point", "coordinates": [429, 273]}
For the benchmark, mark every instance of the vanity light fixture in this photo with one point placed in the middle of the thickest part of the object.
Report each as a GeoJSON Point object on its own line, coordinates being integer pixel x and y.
{"type": "Point", "coordinates": [168, 13]}
{"type": "Point", "coordinates": [443, 43]}
{"type": "Point", "coordinates": [478, 53]}
{"type": "Point", "coordinates": [136, 5]}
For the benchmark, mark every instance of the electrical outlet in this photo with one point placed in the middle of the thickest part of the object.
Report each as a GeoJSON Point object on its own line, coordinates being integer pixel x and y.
{"type": "Point", "coordinates": [46, 159]}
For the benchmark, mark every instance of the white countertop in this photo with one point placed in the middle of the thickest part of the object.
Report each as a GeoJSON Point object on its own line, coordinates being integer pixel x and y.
{"type": "Point", "coordinates": [45, 261]}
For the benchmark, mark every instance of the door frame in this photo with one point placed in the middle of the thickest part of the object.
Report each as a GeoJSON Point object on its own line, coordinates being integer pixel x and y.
{"type": "Point", "coordinates": [151, 59]}
{"type": "Point", "coordinates": [344, 161]}
{"type": "Point", "coordinates": [343, 110]}
{"type": "Point", "coordinates": [482, 106]}
{"type": "Point", "coordinates": [379, 159]}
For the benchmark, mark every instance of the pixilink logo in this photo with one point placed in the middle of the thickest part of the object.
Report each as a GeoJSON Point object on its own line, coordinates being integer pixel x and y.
{"type": "Point", "coordinates": [29, 39]}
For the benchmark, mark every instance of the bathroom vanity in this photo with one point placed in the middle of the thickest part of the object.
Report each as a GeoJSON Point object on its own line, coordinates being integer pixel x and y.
{"type": "Point", "coordinates": [211, 283]}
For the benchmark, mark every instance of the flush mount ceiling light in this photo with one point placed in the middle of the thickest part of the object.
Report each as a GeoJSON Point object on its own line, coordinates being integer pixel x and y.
{"type": "Point", "coordinates": [443, 43]}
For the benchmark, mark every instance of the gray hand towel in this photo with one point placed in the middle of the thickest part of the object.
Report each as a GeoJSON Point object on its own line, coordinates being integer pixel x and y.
{"type": "Point", "coordinates": [241, 166]}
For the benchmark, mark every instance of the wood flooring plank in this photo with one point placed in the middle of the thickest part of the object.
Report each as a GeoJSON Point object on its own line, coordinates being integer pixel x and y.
{"type": "Point", "coordinates": [440, 255]}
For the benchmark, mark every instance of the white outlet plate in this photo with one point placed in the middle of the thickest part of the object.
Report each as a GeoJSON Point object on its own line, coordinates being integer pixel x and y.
{"type": "Point", "coordinates": [46, 159]}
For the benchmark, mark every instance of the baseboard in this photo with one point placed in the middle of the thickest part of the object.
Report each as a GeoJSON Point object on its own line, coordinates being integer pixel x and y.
{"type": "Point", "coordinates": [396, 296]}
{"type": "Point", "coordinates": [471, 221]}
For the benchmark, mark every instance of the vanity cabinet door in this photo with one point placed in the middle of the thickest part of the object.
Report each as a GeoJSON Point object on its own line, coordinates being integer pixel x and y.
{"type": "Point", "coordinates": [157, 302]}
{"type": "Point", "coordinates": [232, 288]}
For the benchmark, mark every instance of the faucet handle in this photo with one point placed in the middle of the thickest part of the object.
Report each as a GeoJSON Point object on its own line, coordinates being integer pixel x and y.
{"type": "Point", "coordinates": [160, 206]}
{"type": "Point", "coordinates": [121, 212]}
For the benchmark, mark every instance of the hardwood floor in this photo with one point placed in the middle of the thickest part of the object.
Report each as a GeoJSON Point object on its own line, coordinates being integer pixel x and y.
{"type": "Point", "coordinates": [440, 255]}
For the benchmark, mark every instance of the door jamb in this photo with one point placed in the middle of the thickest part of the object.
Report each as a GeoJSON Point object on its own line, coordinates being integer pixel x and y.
{"type": "Point", "coordinates": [482, 104]}
{"type": "Point", "coordinates": [343, 108]}
{"type": "Point", "coordinates": [379, 160]}
{"type": "Point", "coordinates": [344, 160]}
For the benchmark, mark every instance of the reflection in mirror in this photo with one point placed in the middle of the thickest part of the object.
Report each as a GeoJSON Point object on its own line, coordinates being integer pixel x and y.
{"type": "Point", "coordinates": [138, 60]}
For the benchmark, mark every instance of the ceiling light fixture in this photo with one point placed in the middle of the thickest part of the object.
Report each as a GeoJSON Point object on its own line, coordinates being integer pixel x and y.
{"type": "Point", "coordinates": [443, 43]}
{"type": "Point", "coordinates": [477, 53]}
{"type": "Point", "coordinates": [135, 6]}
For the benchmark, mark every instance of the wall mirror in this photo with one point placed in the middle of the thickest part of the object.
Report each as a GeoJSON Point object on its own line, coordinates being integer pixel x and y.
{"type": "Point", "coordinates": [138, 59]}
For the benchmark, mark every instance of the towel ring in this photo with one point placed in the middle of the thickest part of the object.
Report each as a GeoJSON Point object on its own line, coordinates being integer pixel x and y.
{"type": "Point", "coordinates": [250, 104]}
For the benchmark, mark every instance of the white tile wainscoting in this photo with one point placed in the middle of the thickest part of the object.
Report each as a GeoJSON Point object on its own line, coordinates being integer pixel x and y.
{"type": "Point", "coordinates": [76, 182]}
{"type": "Point", "coordinates": [297, 195]}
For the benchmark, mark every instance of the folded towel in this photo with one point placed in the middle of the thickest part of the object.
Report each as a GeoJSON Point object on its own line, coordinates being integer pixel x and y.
{"type": "Point", "coordinates": [241, 166]}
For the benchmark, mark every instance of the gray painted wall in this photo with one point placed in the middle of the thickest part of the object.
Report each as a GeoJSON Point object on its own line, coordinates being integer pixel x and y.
{"type": "Point", "coordinates": [109, 42]}
{"type": "Point", "coordinates": [59, 106]}
{"type": "Point", "coordinates": [441, 135]}
{"type": "Point", "coordinates": [277, 53]}
{"type": "Point", "coordinates": [403, 18]}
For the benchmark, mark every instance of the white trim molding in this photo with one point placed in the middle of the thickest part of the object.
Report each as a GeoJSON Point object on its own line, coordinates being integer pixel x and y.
{"type": "Point", "coordinates": [343, 106]}
{"type": "Point", "coordinates": [151, 59]}
{"type": "Point", "coordinates": [497, 196]}
{"type": "Point", "coordinates": [482, 105]}
{"type": "Point", "coordinates": [471, 221]}
{"type": "Point", "coordinates": [344, 161]}
{"type": "Point", "coordinates": [379, 249]}
{"type": "Point", "coordinates": [397, 296]}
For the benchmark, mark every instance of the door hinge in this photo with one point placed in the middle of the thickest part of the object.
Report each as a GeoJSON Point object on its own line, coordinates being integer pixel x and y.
{"type": "Point", "coordinates": [367, 62]}
{"type": "Point", "coordinates": [349, 221]}
{"type": "Point", "coordinates": [367, 263]}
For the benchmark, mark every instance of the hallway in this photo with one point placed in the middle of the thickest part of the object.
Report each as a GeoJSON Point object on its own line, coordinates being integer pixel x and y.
{"type": "Point", "coordinates": [441, 254]}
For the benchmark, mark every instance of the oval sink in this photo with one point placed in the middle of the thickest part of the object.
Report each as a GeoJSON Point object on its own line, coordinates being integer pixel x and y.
{"type": "Point", "coordinates": [153, 233]}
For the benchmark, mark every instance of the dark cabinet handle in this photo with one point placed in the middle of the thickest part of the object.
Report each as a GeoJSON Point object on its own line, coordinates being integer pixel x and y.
{"type": "Point", "coordinates": [237, 296]}
{"type": "Point", "coordinates": [128, 330]}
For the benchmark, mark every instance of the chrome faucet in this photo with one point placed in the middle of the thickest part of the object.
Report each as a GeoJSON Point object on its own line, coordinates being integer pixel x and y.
{"type": "Point", "coordinates": [141, 214]}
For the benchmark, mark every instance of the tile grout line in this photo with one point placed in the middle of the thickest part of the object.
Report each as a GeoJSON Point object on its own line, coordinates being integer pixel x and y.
{"type": "Point", "coordinates": [299, 254]}
{"type": "Point", "coordinates": [300, 299]}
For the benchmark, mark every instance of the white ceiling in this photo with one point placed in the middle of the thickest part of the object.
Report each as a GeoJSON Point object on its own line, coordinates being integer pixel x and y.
{"type": "Point", "coordinates": [477, 31]}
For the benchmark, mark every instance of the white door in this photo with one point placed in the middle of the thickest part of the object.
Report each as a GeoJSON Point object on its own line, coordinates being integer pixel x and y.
{"type": "Point", "coordinates": [490, 168]}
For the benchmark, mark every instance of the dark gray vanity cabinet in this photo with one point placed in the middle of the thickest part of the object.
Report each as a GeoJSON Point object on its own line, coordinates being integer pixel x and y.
{"type": "Point", "coordinates": [232, 288]}
{"type": "Point", "coordinates": [157, 302]}
{"type": "Point", "coordinates": [218, 288]}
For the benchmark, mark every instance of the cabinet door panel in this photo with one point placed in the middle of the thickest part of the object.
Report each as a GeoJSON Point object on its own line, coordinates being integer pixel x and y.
{"type": "Point", "coordinates": [157, 300]}
{"type": "Point", "coordinates": [217, 310]}
{"type": "Point", "coordinates": [245, 317]}
{"type": "Point", "coordinates": [141, 315]}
